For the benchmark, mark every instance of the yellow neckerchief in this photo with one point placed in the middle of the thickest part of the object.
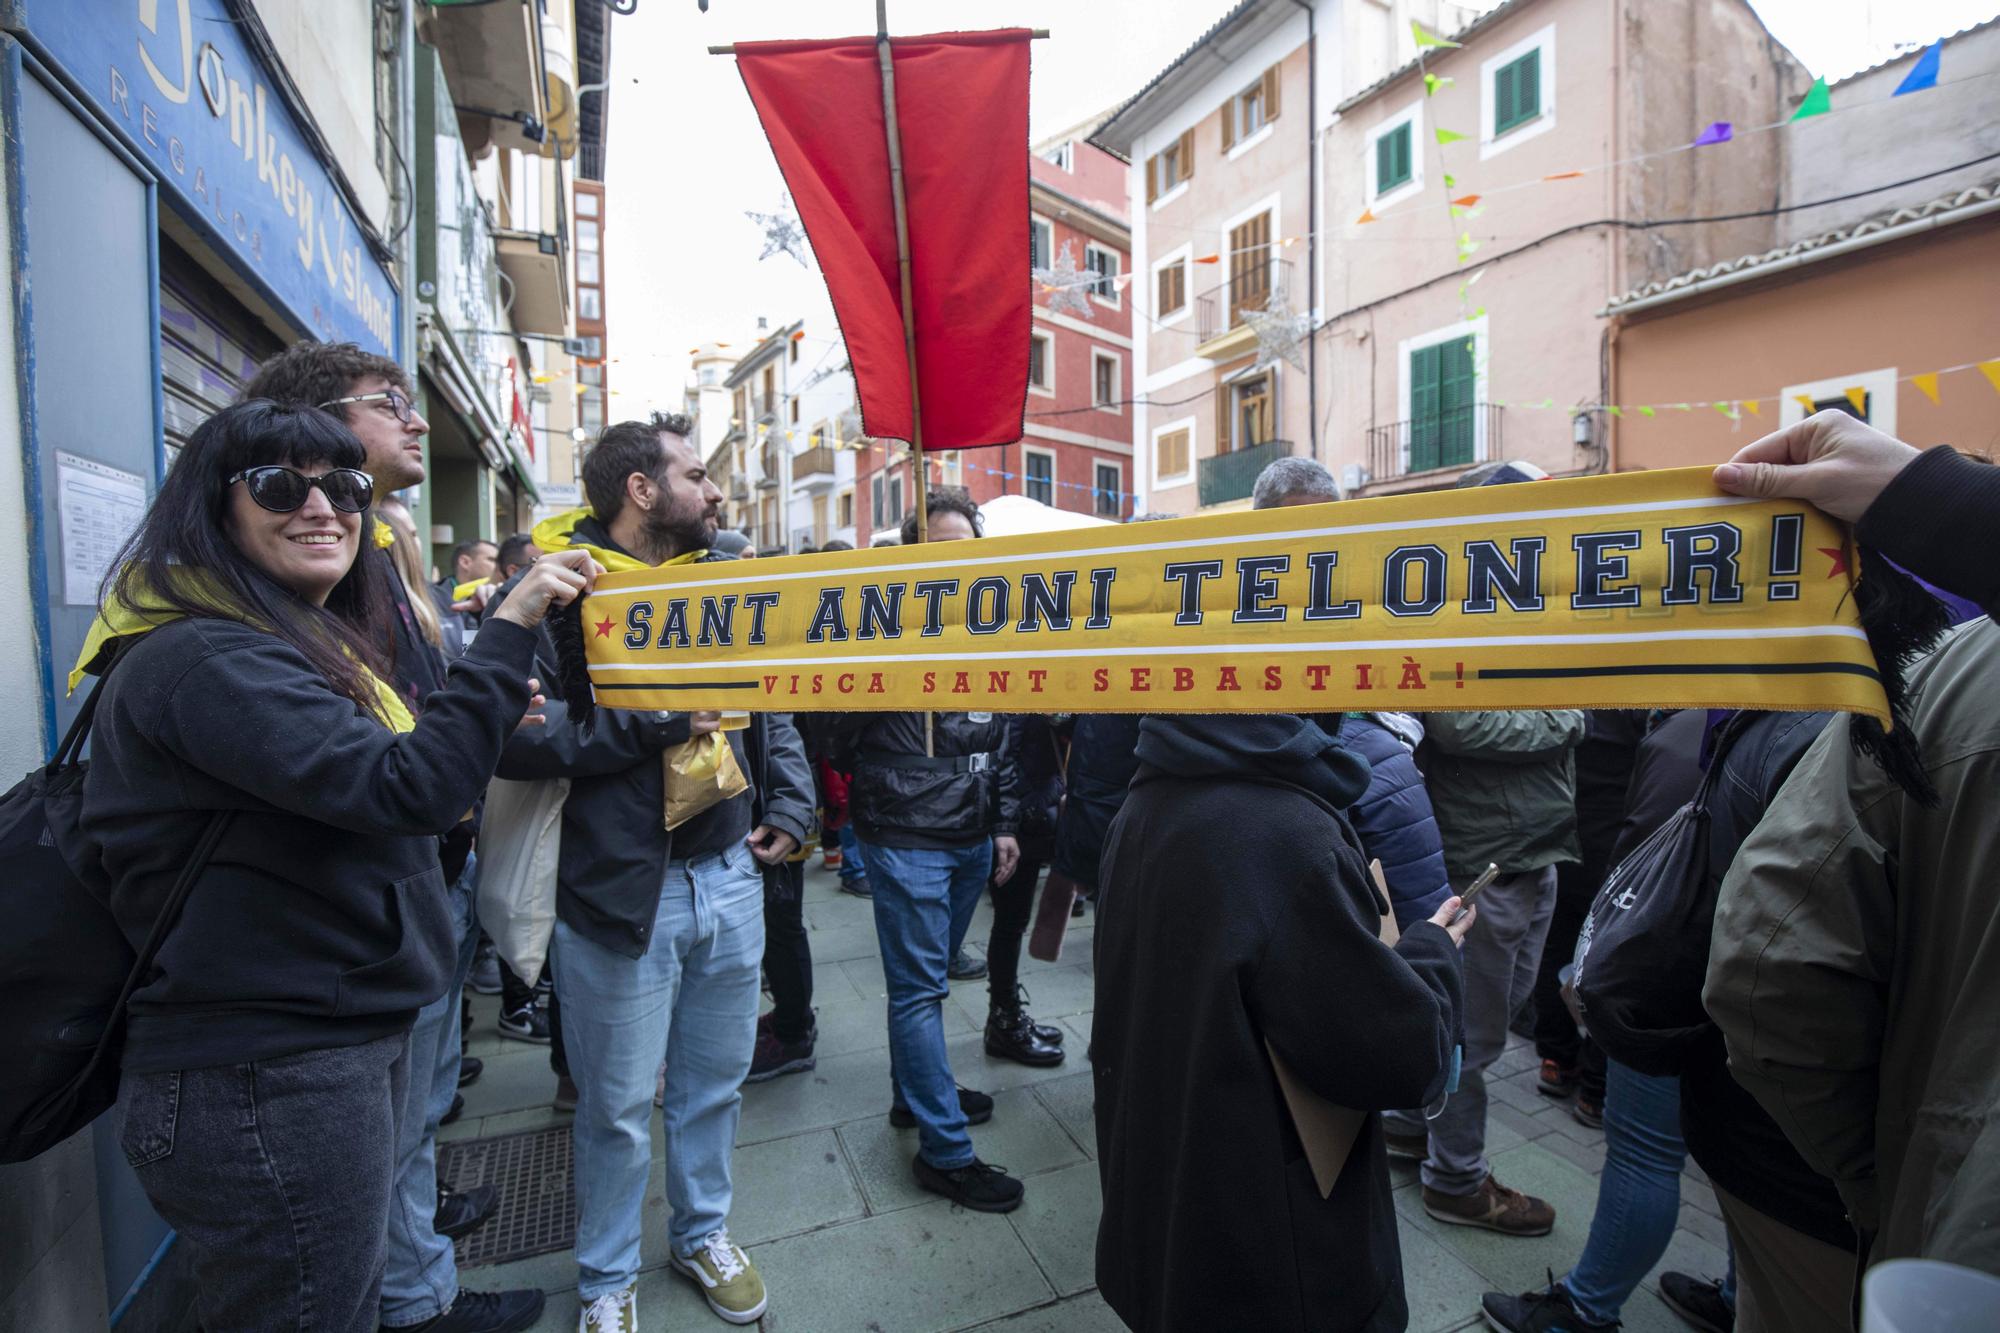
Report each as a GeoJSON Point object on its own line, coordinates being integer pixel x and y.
{"type": "Point", "coordinates": [118, 620]}
{"type": "Point", "coordinates": [385, 536]}
{"type": "Point", "coordinates": [558, 533]}
{"type": "Point", "coordinates": [461, 591]}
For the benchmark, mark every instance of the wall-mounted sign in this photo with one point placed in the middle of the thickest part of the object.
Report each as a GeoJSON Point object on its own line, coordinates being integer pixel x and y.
{"type": "Point", "coordinates": [189, 95]}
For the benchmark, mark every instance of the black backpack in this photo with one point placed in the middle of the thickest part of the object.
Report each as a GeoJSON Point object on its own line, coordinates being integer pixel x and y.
{"type": "Point", "coordinates": [66, 970]}
{"type": "Point", "coordinates": [1642, 954]}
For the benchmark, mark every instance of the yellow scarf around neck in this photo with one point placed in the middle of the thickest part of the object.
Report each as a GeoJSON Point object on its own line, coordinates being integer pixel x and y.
{"type": "Point", "coordinates": [558, 533]}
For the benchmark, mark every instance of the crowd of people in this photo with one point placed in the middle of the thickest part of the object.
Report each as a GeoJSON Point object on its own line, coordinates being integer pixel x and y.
{"type": "Point", "coordinates": [287, 685]}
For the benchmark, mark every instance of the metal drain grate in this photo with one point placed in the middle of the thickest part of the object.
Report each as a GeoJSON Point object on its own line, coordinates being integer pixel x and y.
{"type": "Point", "coordinates": [537, 1210]}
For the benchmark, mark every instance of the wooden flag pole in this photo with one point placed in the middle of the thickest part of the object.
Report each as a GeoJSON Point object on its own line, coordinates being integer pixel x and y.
{"type": "Point", "coordinates": [1038, 34]}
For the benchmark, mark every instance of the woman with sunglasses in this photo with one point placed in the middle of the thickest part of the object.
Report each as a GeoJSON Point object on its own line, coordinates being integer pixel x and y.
{"type": "Point", "coordinates": [266, 1059]}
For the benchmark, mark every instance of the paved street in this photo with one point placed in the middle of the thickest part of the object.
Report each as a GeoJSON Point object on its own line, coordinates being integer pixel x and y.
{"type": "Point", "coordinates": [827, 1209]}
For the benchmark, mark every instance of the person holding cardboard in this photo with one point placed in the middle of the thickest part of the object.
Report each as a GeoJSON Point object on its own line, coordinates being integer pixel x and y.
{"type": "Point", "coordinates": [1243, 1167]}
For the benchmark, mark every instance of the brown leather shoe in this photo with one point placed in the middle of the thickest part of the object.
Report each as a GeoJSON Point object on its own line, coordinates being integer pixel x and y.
{"type": "Point", "coordinates": [1494, 1207]}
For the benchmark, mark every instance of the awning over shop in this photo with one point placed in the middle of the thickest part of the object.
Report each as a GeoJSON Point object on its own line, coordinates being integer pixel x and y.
{"type": "Point", "coordinates": [533, 263]}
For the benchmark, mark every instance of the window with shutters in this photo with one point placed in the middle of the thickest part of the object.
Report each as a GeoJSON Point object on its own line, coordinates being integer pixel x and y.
{"type": "Point", "coordinates": [1104, 263]}
{"type": "Point", "coordinates": [1039, 467]}
{"type": "Point", "coordinates": [819, 520]}
{"type": "Point", "coordinates": [1249, 267]}
{"type": "Point", "coordinates": [1107, 494]}
{"type": "Point", "coordinates": [1442, 418]}
{"type": "Point", "coordinates": [1245, 115]}
{"type": "Point", "coordinates": [1041, 243]}
{"type": "Point", "coordinates": [1170, 168]}
{"type": "Point", "coordinates": [1517, 93]}
{"type": "Point", "coordinates": [1394, 157]}
{"type": "Point", "coordinates": [1172, 447]}
{"type": "Point", "coordinates": [1253, 415]}
{"type": "Point", "coordinates": [1170, 288]}
{"type": "Point", "coordinates": [1104, 377]}
{"type": "Point", "coordinates": [1041, 363]}
{"type": "Point", "coordinates": [846, 509]}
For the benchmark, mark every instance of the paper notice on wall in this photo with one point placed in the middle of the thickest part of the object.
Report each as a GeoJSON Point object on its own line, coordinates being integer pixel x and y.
{"type": "Point", "coordinates": [97, 507]}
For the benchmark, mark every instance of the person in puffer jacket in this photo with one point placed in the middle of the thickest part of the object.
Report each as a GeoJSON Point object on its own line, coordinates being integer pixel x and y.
{"type": "Point", "coordinates": [936, 803]}
{"type": "Point", "coordinates": [1393, 818]}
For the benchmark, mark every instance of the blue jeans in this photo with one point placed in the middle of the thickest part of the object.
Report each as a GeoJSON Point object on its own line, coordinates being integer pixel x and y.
{"type": "Point", "coordinates": [924, 898]}
{"type": "Point", "coordinates": [853, 865]}
{"type": "Point", "coordinates": [1639, 1194]}
{"type": "Point", "coordinates": [420, 1280]}
{"type": "Point", "coordinates": [691, 997]}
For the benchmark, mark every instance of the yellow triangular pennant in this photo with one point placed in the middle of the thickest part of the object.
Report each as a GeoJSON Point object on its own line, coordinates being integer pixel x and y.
{"type": "Point", "coordinates": [1858, 397]}
{"type": "Point", "coordinates": [1750, 406]}
{"type": "Point", "coordinates": [1928, 383]}
{"type": "Point", "coordinates": [1805, 401]}
{"type": "Point", "coordinates": [1991, 370]}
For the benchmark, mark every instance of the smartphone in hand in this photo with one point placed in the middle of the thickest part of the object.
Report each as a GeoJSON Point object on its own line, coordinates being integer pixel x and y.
{"type": "Point", "coordinates": [1478, 886]}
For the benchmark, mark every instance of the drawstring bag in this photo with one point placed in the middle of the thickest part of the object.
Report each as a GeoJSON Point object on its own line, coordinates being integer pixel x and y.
{"type": "Point", "coordinates": [520, 841]}
{"type": "Point", "coordinates": [700, 773]}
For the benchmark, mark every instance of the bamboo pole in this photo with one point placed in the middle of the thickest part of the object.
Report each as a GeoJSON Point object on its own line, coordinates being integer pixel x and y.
{"type": "Point", "coordinates": [1038, 34]}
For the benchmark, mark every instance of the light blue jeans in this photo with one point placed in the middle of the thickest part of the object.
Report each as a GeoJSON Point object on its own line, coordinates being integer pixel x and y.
{"type": "Point", "coordinates": [420, 1278]}
{"type": "Point", "coordinates": [924, 899]}
{"type": "Point", "coordinates": [692, 998]}
{"type": "Point", "coordinates": [853, 865]}
{"type": "Point", "coordinates": [1639, 1196]}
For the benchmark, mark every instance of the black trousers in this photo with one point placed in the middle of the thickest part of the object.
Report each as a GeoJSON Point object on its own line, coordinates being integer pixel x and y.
{"type": "Point", "coordinates": [1556, 1035]}
{"type": "Point", "coordinates": [1013, 906]}
{"type": "Point", "coordinates": [788, 962]}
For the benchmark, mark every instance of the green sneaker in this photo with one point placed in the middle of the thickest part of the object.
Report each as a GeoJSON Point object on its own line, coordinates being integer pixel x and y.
{"type": "Point", "coordinates": [613, 1312]}
{"type": "Point", "coordinates": [726, 1278]}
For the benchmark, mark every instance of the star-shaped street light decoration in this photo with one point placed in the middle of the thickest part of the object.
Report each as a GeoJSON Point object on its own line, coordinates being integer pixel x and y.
{"type": "Point", "coordinates": [782, 234]}
{"type": "Point", "coordinates": [1067, 285]}
{"type": "Point", "coordinates": [1280, 330]}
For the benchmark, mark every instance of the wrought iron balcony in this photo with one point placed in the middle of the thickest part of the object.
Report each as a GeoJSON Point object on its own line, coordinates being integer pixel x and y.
{"type": "Point", "coordinates": [1226, 477]}
{"type": "Point", "coordinates": [1455, 437]}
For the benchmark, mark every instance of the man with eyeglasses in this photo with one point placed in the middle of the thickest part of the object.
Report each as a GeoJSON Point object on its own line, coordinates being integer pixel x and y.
{"type": "Point", "coordinates": [420, 1290]}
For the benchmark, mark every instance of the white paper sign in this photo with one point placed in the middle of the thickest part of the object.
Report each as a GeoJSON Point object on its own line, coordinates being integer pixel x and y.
{"type": "Point", "coordinates": [97, 507]}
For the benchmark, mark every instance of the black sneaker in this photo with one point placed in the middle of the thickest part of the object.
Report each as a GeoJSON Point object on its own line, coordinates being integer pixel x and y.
{"type": "Point", "coordinates": [857, 886]}
{"type": "Point", "coordinates": [462, 1212]}
{"type": "Point", "coordinates": [774, 1056]}
{"type": "Point", "coordinates": [484, 1312]}
{"type": "Point", "coordinates": [470, 1067]}
{"type": "Point", "coordinates": [964, 967]}
{"type": "Point", "coordinates": [982, 1188]}
{"type": "Point", "coordinates": [456, 1109]}
{"type": "Point", "coordinates": [1546, 1311]}
{"type": "Point", "coordinates": [528, 1023]}
{"type": "Point", "coordinates": [978, 1108]}
{"type": "Point", "coordinates": [1699, 1302]}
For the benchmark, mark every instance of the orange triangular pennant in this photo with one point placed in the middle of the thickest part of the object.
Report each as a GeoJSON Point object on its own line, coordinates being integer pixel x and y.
{"type": "Point", "coordinates": [1562, 176]}
{"type": "Point", "coordinates": [1367, 215]}
{"type": "Point", "coordinates": [1466, 201]}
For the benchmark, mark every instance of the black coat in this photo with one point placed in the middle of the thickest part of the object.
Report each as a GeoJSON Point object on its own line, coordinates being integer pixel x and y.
{"type": "Point", "coordinates": [322, 918]}
{"type": "Point", "coordinates": [966, 789]}
{"type": "Point", "coordinates": [1103, 756]}
{"type": "Point", "coordinates": [1208, 947]}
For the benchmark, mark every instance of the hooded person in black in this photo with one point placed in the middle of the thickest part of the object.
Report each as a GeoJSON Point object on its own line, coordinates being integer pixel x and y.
{"type": "Point", "coordinates": [1263, 942]}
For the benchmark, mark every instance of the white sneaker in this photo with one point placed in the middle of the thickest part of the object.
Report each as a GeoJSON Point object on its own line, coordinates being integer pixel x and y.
{"type": "Point", "coordinates": [613, 1312]}
{"type": "Point", "coordinates": [726, 1277]}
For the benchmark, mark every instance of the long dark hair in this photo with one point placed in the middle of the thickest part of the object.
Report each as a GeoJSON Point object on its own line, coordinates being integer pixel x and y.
{"type": "Point", "coordinates": [187, 529]}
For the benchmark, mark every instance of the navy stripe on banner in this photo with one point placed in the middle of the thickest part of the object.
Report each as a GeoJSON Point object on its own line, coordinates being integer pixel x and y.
{"type": "Point", "coordinates": [679, 685]}
{"type": "Point", "coordinates": [1683, 669]}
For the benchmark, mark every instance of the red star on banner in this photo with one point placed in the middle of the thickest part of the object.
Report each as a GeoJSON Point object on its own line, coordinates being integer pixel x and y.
{"type": "Point", "coordinates": [1839, 558]}
{"type": "Point", "coordinates": [604, 628]}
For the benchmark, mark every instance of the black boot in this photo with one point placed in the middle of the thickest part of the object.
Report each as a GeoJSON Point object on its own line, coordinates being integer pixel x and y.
{"type": "Point", "coordinates": [1011, 1035]}
{"type": "Point", "coordinates": [1048, 1032]}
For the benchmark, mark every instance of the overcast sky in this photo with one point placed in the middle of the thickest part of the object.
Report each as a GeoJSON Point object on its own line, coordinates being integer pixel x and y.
{"type": "Point", "coordinates": [687, 157]}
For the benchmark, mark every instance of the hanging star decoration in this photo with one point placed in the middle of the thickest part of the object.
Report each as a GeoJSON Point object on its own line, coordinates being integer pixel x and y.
{"type": "Point", "coordinates": [782, 233]}
{"type": "Point", "coordinates": [1280, 330]}
{"type": "Point", "coordinates": [1067, 285]}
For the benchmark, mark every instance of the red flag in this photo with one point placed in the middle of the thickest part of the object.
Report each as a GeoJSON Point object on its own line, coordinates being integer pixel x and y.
{"type": "Point", "coordinates": [962, 108]}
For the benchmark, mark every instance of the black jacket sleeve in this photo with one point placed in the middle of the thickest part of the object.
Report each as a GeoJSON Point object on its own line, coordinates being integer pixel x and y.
{"type": "Point", "coordinates": [252, 712]}
{"type": "Point", "coordinates": [789, 802]}
{"type": "Point", "coordinates": [1937, 518]}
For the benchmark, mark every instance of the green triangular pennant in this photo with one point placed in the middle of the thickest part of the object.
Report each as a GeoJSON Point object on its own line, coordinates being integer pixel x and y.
{"type": "Point", "coordinates": [1818, 101]}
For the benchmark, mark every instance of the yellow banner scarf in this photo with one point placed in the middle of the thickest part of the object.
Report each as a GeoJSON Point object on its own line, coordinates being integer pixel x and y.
{"type": "Point", "coordinates": [119, 620]}
{"type": "Point", "coordinates": [1638, 590]}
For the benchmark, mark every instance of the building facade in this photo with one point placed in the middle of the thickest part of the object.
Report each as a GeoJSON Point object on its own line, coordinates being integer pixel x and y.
{"type": "Point", "coordinates": [188, 186]}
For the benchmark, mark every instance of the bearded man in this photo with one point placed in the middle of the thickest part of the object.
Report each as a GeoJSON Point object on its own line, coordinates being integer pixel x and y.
{"type": "Point", "coordinates": [659, 933]}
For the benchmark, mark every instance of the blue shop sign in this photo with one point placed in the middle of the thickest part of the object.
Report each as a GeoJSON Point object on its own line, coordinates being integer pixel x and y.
{"type": "Point", "coordinates": [190, 96]}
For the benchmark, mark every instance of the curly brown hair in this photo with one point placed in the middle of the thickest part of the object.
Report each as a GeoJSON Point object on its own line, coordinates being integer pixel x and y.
{"type": "Point", "coordinates": [945, 500]}
{"type": "Point", "coordinates": [311, 373]}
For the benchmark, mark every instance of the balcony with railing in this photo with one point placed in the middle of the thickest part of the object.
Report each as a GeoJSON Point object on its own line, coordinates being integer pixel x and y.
{"type": "Point", "coordinates": [1226, 477]}
{"type": "Point", "coordinates": [814, 469]}
{"type": "Point", "coordinates": [1218, 314]}
{"type": "Point", "coordinates": [1453, 438]}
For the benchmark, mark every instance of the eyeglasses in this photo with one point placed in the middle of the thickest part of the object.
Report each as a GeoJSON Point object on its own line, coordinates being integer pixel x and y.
{"type": "Point", "coordinates": [282, 489]}
{"type": "Point", "coordinates": [393, 397]}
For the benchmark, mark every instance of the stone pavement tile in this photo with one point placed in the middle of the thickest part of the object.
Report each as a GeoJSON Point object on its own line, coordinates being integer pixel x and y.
{"type": "Point", "coordinates": [863, 975]}
{"type": "Point", "coordinates": [840, 910]}
{"type": "Point", "coordinates": [1509, 1092]}
{"type": "Point", "coordinates": [1058, 1222]}
{"type": "Point", "coordinates": [1079, 1314]}
{"type": "Point", "coordinates": [1693, 1168]}
{"type": "Point", "coordinates": [928, 1268]}
{"type": "Point", "coordinates": [1075, 950]}
{"type": "Point", "coordinates": [1518, 1056]}
{"type": "Point", "coordinates": [1516, 1263]}
{"type": "Point", "coordinates": [832, 980]}
{"type": "Point", "coordinates": [515, 1080]}
{"type": "Point", "coordinates": [1699, 1223]}
{"type": "Point", "coordinates": [974, 1068]}
{"type": "Point", "coordinates": [1687, 1253]}
{"type": "Point", "coordinates": [666, 1300]}
{"type": "Point", "coordinates": [1701, 1194]}
{"type": "Point", "coordinates": [1053, 993]}
{"type": "Point", "coordinates": [1079, 1027]}
{"type": "Point", "coordinates": [1442, 1290]}
{"type": "Point", "coordinates": [841, 943]}
{"type": "Point", "coordinates": [1073, 1101]}
{"type": "Point", "coordinates": [1589, 1156]}
{"type": "Point", "coordinates": [843, 1087]}
{"type": "Point", "coordinates": [786, 1186]}
{"type": "Point", "coordinates": [848, 1024]}
{"type": "Point", "coordinates": [1023, 1136]}
{"type": "Point", "coordinates": [1527, 1127]}
{"type": "Point", "coordinates": [521, 1122]}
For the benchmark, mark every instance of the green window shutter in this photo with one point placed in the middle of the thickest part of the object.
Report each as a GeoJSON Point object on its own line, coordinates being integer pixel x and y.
{"type": "Point", "coordinates": [1456, 382]}
{"type": "Point", "coordinates": [1425, 423]}
{"type": "Point", "coordinates": [1517, 93]}
{"type": "Point", "coordinates": [1392, 159]}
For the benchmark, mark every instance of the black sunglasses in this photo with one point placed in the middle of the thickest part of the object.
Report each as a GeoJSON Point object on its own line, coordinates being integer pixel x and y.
{"type": "Point", "coordinates": [282, 489]}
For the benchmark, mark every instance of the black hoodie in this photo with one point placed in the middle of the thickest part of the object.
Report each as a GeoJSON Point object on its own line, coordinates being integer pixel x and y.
{"type": "Point", "coordinates": [1235, 912]}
